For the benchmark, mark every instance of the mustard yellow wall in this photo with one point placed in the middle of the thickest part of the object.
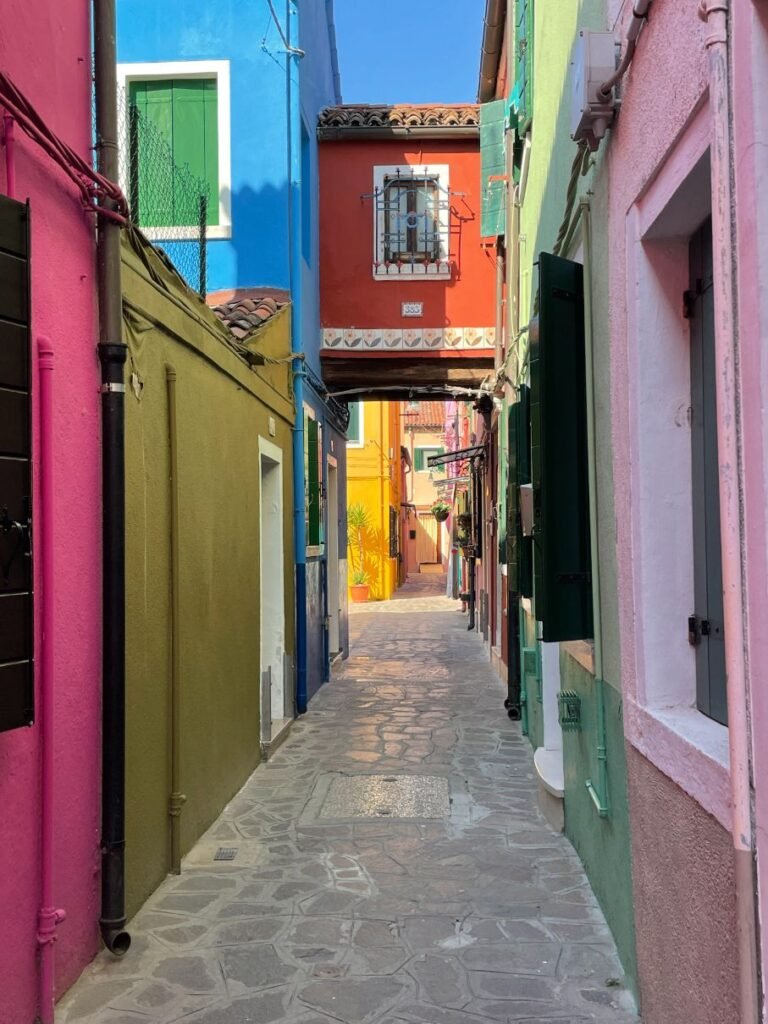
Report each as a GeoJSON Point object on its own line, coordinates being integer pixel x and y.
{"type": "Point", "coordinates": [373, 480]}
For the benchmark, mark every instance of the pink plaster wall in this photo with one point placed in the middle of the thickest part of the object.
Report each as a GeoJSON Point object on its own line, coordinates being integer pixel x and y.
{"type": "Point", "coordinates": [750, 130]}
{"type": "Point", "coordinates": [45, 49]}
{"type": "Point", "coordinates": [682, 856]}
{"type": "Point", "coordinates": [685, 908]}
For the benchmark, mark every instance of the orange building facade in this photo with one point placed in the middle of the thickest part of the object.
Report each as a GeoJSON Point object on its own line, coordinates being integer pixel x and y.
{"type": "Point", "coordinates": [407, 286]}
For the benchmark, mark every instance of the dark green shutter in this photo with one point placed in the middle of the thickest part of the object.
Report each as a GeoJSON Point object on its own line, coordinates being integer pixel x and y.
{"type": "Point", "coordinates": [522, 95]}
{"type": "Point", "coordinates": [492, 168]}
{"type": "Point", "coordinates": [313, 490]}
{"type": "Point", "coordinates": [16, 577]}
{"type": "Point", "coordinates": [562, 558]}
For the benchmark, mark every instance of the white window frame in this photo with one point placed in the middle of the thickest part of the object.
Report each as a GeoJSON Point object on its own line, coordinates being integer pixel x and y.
{"type": "Point", "coordinates": [360, 442]}
{"type": "Point", "coordinates": [660, 713]}
{"type": "Point", "coordinates": [441, 271]}
{"type": "Point", "coordinates": [157, 71]}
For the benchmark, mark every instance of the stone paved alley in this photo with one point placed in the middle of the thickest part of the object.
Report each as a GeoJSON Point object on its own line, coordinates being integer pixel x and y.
{"type": "Point", "coordinates": [338, 906]}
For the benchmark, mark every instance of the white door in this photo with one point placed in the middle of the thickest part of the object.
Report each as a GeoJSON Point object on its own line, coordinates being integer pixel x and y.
{"type": "Point", "coordinates": [272, 583]}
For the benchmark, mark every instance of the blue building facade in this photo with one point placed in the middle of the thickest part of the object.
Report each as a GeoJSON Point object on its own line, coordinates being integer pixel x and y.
{"type": "Point", "coordinates": [236, 88]}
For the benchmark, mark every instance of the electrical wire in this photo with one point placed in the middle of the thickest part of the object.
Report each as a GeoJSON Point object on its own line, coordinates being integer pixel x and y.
{"type": "Point", "coordinates": [288, 48]}
{"type": "Point", "coordinates": [91, 185]}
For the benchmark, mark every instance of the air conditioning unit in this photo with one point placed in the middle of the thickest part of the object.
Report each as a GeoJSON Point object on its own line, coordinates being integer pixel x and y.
{"type": "Point", "coordinates": [594, 62]}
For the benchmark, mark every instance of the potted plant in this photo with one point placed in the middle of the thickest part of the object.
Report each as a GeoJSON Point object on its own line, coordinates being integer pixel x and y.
{"type": "Point", "coordinates": [441, 510]}
{"type": "Point", "coordinates": [357, 521]}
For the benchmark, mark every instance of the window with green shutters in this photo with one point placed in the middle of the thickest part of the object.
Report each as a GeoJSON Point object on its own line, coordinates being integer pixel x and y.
{"type": "Point", "coordinates": [184, 112]}
{"type": "Point", "coordinates": [561, 537]}
{"type": "Point", "coordinates": [522, 94]}
{"type": "Point", "coordinates": [420, 455]}
{"type": "Point", "coordinates": [493, 168]}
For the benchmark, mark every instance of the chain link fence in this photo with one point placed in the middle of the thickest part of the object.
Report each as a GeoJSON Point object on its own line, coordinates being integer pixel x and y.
{"type": "Point", "coordinates": [167, 201]}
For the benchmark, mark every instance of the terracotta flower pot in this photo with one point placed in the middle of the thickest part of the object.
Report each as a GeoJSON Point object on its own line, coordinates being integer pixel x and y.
{"type": "Point", "coordinates": [359, 592]}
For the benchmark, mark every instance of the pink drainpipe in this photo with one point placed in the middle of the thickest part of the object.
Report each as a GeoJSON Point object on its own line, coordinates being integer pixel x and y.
{"type": "Point", "coordinates": [10, 163]}
{"type": "Point", "coordinates": [49, 917]}
{"type": "Point", "coordinates": [715, 14]}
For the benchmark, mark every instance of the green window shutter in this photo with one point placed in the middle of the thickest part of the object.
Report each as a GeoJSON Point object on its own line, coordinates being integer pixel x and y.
{"type": "Point", "coordinates": [522, 95]}
{"type": "Point", "coordinates": [152, 166]}
{"type": "Point", "coordinates": [492, 168]}
{"type": "Point", "coordinates": [313, 489]}
{"type": "Point", "coordinates": [562, 557]}
{"type": "Point", "coordinates": [353, 430]}
{"type": "Point", "coordinates": [419, 460]}
{"type": "Point", "coordinates": [183, 113]}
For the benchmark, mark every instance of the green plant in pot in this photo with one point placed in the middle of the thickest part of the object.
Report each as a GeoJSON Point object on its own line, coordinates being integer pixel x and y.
{"type": "Point", "coordinates": [357, 523]}
{"type": "Point", "coordinates": [441, 510]}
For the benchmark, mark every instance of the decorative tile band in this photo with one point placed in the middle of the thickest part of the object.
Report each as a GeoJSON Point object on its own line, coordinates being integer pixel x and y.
{"type": "Point", "coordinates": [409, 338]}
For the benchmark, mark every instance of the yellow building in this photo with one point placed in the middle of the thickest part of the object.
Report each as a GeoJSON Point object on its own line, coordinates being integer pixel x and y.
{"type": "Point", "coordinates": [373, 485]}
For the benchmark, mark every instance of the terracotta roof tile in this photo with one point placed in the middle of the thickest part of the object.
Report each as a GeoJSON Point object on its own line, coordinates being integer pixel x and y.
{"type": "Point", "coordinates": [246, 311]}
{"type": "Point", "coordinates": [428, 416]}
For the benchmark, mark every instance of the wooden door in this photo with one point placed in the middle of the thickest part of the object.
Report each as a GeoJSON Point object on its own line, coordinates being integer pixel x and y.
{"type": "Point", "coordinates": [426, 538]}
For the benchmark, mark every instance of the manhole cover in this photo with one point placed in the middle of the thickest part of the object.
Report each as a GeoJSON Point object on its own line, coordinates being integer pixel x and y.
{"type": "Point", "coordinates": [375, 796]}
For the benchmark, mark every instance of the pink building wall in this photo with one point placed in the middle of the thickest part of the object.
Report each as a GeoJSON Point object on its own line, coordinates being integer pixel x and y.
{"type": "Point", "coordinates": [750, 133]}
{"type": "Point", "coordinates": [45, 49]}
{"type": "Point", "coordinates": [678, 760]}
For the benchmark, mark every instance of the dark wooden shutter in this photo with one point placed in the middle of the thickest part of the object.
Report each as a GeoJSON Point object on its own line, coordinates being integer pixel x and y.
{"type": "Point", "coordinates": [519, 548]}
{"type": "Point", "coordinates": [16, 580]}
{"type": "Point", "coordinates": [562, 557]}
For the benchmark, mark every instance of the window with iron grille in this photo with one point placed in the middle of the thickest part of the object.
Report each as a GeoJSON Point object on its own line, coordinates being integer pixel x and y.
{"type": "Point", "coordinates": [411, 221]}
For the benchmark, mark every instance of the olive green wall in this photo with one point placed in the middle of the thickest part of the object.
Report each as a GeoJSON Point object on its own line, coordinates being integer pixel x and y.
{"type": "Point", "coordinates": [602, 843]}
{"type": "Point", "coordinates": [223, 406]}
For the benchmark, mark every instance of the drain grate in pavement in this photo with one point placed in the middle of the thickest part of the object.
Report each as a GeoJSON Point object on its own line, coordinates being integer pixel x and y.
{"type": "Point", "coordinates": [225, 853]}
{"type": "Point", "coordinates": [377, 796]}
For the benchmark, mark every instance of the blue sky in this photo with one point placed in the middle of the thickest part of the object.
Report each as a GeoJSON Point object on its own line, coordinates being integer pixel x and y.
{"type": "Point", "coordinates": [409, 51]}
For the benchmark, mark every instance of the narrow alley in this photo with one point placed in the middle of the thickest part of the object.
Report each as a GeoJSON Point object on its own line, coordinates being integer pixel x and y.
{"type": "Point", "coordinates": [388, 865]}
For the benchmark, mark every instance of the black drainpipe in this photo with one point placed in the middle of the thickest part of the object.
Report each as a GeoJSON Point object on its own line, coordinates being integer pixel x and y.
{"type": "Point", "coordinates": [112, 356]}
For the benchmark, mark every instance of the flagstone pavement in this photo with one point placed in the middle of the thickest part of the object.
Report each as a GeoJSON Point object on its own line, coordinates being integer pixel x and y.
{"type": "Point", "coordinates": [341, 904]}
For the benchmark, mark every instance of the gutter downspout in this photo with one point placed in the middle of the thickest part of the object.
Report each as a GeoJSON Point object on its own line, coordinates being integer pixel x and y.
{"type": "Point", "coordinates": [493, 39]}
{"type": "Point", "coordinates": [49, 916]}
{"type": "Point", "coordinates": [294, 241]}
{"type": "Point", "coordinates": [334, 50]}
{"type": "Point", "coordinates": [597, 790]}
{"type": "Point", "coordinates": [9, 139]}
{"type": "Point", "coordinates": [176, 799]}
{"type": "Point", "coordinates": [112, 356]}
{"type": "Point", "coordinates": [715, 14]}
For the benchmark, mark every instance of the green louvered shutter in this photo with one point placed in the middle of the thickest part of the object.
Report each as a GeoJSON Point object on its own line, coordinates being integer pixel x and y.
{"type": "Point", "coordinates": [522, 96]}
{"type": "Point", "coordinates": [184, 114]}
{"type": "Point", "coordinates": [492, 168]}
{"type": "Point", "coordinates": [563, 573]}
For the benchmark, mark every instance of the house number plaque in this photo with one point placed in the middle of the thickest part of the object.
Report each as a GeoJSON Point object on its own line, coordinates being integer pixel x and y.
{"type": "Point", "coordinates": [412, 309]}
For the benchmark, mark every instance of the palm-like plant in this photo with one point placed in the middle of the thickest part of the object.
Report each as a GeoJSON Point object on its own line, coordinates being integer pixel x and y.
{"type": "Point", "coordinates": [358, 520]}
